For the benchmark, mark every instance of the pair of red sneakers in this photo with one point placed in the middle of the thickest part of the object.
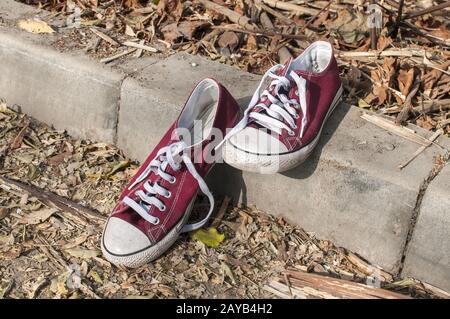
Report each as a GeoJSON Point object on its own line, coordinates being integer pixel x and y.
{"type": "Point", "coordinates": [278, 131]}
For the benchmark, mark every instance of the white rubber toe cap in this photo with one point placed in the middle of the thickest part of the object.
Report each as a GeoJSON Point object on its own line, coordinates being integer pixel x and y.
{"type": "Point", "coordinates": [257, 141]}
{"type": "Point", "coordinates": [122, 238]}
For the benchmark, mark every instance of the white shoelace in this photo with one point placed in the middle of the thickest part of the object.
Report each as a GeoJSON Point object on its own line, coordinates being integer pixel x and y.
{"type": "Point", "coordinates": [172, 155]}
{"type": "Point", "coordinates": [281, 107]}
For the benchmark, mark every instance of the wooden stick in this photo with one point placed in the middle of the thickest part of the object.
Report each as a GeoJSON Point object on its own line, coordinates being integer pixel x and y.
{"type": "Point", "coordinates": [429, 106]}
{"type": "Point", "coordinates": [317, 285]}
{"type": "Point", "coordinates": [276, 14]}
{"type": "Point", "coordinates": [429, 37]}
{"type": "Point", "coordinates": [140, 46]}
{"type": "Point", "coordinates": [139, 52]}
{"type": "Point", "coordinates": [401, 131]}
{"type": "Point", "coordinates": [366, 268]}
{"type": "Point", "coordinates": [296, 9]}
{"type": "Point", "coordinates": [119, 55]}
{"type": "Point", "coordinates": [427, 10]}
{"type": "Point", "coordinates": [398, 20]}
{"type": "Point", "coordinates": [222, 210]}
{"type": "Point", "coordinates": [439, 68]}
{"type": "Point", "coordinates": [433, 106]}
{"type": "Point", "coordinates": [422, 148]}
{"type": "Point", "coordinates": [407, 106]}
{"type": "Point", "coordinates": [263, 33]}
{"type": "Point", "coordinates": [105, 37]}
{"type": "Point", "coordinates": [378, 54]}
{"type": "Point", "coordinates": [392, 3]}
{"type": "Point", "coordinates": [373, 31]}
{"type": "Point", "coordinates": [87, 215]}
{"type": "Point", "coordinates": [230, 14]}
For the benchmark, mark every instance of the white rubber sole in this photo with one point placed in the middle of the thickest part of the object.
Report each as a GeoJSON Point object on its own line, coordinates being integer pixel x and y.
{"type": "Point", "coordinates": [144, 256]}
{"type": "Point", "coordinates": [277, 163]}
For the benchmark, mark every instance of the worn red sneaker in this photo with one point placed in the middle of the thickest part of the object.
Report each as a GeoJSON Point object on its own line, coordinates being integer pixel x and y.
{"type": "Point", "coordinates": [282, 125]}
{"type": "Point", "coordinates": [155, 207]}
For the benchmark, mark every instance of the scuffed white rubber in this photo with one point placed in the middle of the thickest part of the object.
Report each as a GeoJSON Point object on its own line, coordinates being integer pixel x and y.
{"type": "Point", "coordinates": [277, 163]}
{"type": "Point", "coordinates": [142, 257]}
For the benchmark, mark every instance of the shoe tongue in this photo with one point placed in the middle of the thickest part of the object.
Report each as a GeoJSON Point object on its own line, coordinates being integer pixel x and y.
{"type": "Point", "coordinates": [284, 71]}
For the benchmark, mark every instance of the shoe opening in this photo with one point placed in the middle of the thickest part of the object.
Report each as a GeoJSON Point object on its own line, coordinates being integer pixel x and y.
{"type": "Point", "coordinates": [314, 59]}
{"type": "Point", "coordinates": [199, 112]}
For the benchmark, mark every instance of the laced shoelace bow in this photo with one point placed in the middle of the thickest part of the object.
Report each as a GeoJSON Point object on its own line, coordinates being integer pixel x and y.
{"type": "Point", "coordinates": [281, 108]}
{"type": "Point", "coordinates": [173, 155]}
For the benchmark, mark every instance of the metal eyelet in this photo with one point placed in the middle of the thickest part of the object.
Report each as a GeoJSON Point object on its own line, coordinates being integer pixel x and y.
{"type": "Point", "coordinates": [168, 195]}
{"type": "Point", "coordinates": [163, 208]}
{"type": "Point", "coordinates": [294, 127]}
{"type": "Point", "coordinates": [291, 133]}
{"type": "Point", "coordinates": [156, 221]}
{"type": "Point", "coordinates": [296, 93]}
{"type": "Point", "coordinates": [173, 180]}
{"type": "Point", "coordinates": [296, 116]}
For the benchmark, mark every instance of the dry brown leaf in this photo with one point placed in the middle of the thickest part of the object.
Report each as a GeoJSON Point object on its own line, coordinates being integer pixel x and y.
{"type": "Point", "coordinates": [388, 69]}
{"type": "Point", "coordinates": [6, 240]}
{"type": "Point", "coordinates": [38, 216]}
{"type": "Point", "coordinates": [59, 158]}
{"type": "Point", "coordinates": [17, 142]}
{"type": "Point", "coordinates": [83, 253]}
{"type": "Point", "coordinates": [76, 242]}
{"type": "Point", "coordinates": [173, 8]}
{"type": "Point", "coordinates": [12, 253]}
{"type": "Point", "coordinates": [381, 93]}
{"type": "Point", "coordinates": [3, 212]}
{"type": "Point", "coordinates": [185, 29]}
{"type": "Point", "coordinates": [252, 43]}
{"type": "Point", "coordinates": [350, 26]}
{"type": "Point", "coordinates": [433, 76]}
{"type": "Point", "coordinates": [229, 40]}
{"type": "Point", "coordinates": [133, 4]}
{"type": "Point", "coordinates": [405, 80]}
{"type": "Point", "coordinates": [383, 42]}
{"type": "Point", "coordinates": [35, 26]}
{"type": "Point", "coordinates": [426, 122]}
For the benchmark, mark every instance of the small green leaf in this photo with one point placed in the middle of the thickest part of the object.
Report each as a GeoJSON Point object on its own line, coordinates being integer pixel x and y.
{"type": "Point", "coordinates": [33, 172]}
{"type": "Point", "coordinates": [118, 167]}
{"type": "Point", "coordinates": [363, 104]}
{"type": "Point", "coordinates": [211, 237]}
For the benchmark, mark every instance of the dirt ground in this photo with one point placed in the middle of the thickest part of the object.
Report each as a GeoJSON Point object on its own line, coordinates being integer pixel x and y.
{"type": "Point", "coordinates": [48, 252]}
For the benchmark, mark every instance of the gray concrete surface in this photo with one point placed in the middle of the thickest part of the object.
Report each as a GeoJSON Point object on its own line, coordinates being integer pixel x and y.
{"type": "Point", "coordinates": [69, 93]}
{"type": "Point", "coordinates": [349, 191]}
{"type": "Point", "coordinates": [428, 255]}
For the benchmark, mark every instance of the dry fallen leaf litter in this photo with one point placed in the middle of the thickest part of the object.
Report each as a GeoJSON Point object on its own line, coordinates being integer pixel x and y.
{"type": "Point", "coordinates": [49, 244]}
{"type": "Point", "coordinates": [35, 26]}
{"type": "Point", "coordinates": [398, 67]}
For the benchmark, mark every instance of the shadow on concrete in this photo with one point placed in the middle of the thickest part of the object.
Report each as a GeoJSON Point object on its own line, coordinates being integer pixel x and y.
{"type": "Point", "coordinates": [308, 167]}
{"type": "Point", "coordinates": [225, 180]}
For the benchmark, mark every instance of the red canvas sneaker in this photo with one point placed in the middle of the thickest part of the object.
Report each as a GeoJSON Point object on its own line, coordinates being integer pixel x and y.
{"type": "Point", "coordinates": [282, 125]}
{"type": "Point", "coordinates": [155, 207]}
